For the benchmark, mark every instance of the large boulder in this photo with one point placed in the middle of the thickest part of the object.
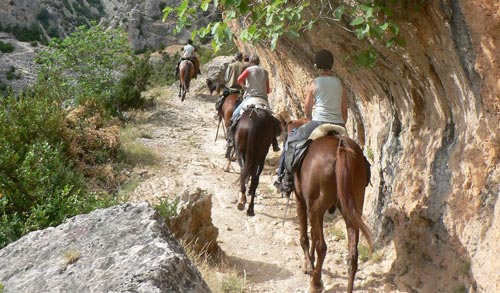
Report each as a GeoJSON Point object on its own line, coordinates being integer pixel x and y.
{"type": "Point", "coordinates": [125, 248]}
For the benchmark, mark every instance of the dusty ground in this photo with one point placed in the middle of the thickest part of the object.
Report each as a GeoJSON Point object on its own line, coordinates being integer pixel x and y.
{"type": "Point", "coordinates": [260, 247]}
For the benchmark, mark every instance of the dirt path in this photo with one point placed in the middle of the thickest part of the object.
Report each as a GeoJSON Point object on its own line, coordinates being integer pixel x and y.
{"type": "Point", "coordinates": [268, 253]}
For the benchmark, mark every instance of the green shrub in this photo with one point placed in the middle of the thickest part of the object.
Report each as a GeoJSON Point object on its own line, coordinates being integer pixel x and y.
{"type": "Point", "coordinates": [86, 65]}
{"type": "Point", "coordinates": [27, 34]}
{"type": "Point", "coordinates": [167, 208]}
{"type": "Point", "coordinates": [164, 71]}
{"type": "Point", "coordinates": [127, 94]}
{"type": "Point", "coordinates": [11, 74]}
{"type": "Point", "coordinates": [38, 185]}
{"type": "Point", "coordinates": [6, 47]}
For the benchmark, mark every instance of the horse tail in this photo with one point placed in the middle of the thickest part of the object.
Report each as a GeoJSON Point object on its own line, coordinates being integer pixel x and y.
{"type": "Point", "coordinates": [253, 159]}
{"type": "Point", "coordinates": [344, 170]}
{"type": "Point", "coordinates": [250, 150]}
{"type": "Point", "coordinates": [187, 73]}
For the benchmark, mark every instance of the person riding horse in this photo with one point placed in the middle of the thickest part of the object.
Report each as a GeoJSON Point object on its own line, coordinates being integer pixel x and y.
{"type": "Point", "coordinates": [329, 99]}
{"type": "Point", "coordinates": [255, 80]}
{"type": "Point", "coordinates": [233, 71]}
{"type": "Point", "coordinates": [189, 53]}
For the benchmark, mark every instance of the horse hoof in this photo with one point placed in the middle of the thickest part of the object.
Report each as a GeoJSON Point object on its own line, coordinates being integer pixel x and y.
{"type": "Point", "coordinates": [241, 206]}
{"type": "Point", "coordinates": [316, 289]}
{"type": "Point", "coordinates": [250, 213]}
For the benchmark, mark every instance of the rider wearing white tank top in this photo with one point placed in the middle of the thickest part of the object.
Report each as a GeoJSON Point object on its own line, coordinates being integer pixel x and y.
{"type": "Point", "coordinates": [328, 100]}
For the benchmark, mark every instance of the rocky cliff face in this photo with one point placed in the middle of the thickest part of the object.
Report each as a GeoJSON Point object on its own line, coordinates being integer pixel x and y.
{"type": "Point", "coordinates": [427, 117]}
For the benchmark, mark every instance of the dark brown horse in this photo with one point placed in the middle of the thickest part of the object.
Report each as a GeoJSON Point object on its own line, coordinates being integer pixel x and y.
{"type": "Point", "coordinates": [186, 73]}
{"type": "Point", "coordinates": [253, 137]}
{"type": "Point", "coordinates": [333, 174]}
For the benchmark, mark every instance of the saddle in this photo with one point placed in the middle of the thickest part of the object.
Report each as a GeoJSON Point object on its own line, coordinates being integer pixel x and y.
{"type": "Point", "coordinates": [225, 93]}
{"type": "Point", "coordinates": [297, 150]}
{"type": "Point", "coordinates": [276, 121]}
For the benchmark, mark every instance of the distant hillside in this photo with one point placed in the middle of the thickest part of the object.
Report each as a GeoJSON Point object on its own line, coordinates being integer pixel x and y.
{"type": "Point", "coordinates": [30, 23]}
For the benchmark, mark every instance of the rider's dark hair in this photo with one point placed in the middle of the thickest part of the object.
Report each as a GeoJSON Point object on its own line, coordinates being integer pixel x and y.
{"type": "Point", "coordinates": [254, 59]}
{"type": "Point", "coordinates": [190, 42]}
{"type": "Point", "coordinates": [324, 59]}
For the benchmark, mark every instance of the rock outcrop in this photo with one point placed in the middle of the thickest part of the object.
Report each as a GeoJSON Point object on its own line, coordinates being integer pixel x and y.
{"type": "Point", "coordinates": [125, 248]}
{"type": "Point", "coordinates": [193, 223]}
{"type": "Point", "coordinates": [427, 117]}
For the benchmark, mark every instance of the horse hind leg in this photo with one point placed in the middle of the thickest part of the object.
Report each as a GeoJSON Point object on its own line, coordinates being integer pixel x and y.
{"type": "Point", "coordinates": [304, 238]}
{"type": "Point", "coordinates": [319, 244]}
{"type": "Point", "coordinates": [243, 198]}
{"type": "Point", "coordinates": [253, 188]}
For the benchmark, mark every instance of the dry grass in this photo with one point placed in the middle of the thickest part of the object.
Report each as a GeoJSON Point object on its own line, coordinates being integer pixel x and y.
{"type": "Point", "coordinates": [133, 151]}
{"type": "Point", "coordinates": [71, 256]}
{"type": "Point", "coordinates": [220, 276]}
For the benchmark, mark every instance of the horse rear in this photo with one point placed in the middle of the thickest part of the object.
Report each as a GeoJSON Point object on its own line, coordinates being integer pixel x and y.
{"type": "Point", "coordinates": [333, 174]}
{"type": "Point", "coordinates": [253, 137]}
{"type": "Point", "coordinates": [186, 73]}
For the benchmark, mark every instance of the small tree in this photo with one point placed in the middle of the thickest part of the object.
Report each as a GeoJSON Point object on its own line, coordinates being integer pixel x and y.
{"type": "Point", "coordinates": [86, 65]}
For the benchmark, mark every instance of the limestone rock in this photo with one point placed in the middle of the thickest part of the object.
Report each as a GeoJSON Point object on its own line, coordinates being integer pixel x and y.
{"type": "Point", "coordinates": [216, 68]}
{"type": "Point", "coordinates": [193, 223]}
{"type": "Point", "coordinates": [125, 248]}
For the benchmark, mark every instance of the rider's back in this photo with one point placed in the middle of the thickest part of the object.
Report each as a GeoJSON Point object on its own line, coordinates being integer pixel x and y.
{"type": "Point", "coordinates": [233, 71]}
{"type": "Point", "coordinates": [328, 99]}
{"type": "Point", "coordinates": [256, 82]}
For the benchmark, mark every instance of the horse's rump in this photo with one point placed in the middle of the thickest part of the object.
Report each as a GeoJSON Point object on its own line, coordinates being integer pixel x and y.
{"type": "Point", "coordinates": [253, 136]}
{"type": "Point", "coordinates": [336, 164]}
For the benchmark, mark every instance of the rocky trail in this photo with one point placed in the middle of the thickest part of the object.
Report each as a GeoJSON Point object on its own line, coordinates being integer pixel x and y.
{"type": "Point", "coordinates": [262, 249]}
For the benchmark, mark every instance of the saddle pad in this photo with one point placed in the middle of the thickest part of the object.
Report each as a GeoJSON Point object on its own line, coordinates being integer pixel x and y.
{"type": "Point", "coordinates": [324, 129]}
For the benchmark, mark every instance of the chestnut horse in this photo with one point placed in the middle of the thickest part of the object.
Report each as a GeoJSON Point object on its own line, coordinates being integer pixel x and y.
{"type": "Point", "coordinates": [186, 73]}
{"type": "Point", "coordinates": [333, 174]}
{"type": "Point", "coordinates": [253, 137]}
{"type": "Point", "coordinates": [226, 112]}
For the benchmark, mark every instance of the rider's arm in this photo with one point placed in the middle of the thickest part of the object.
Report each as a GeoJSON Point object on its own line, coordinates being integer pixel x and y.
{"type": "Point", "coordinates": [344, 105]}
{"type": "Point", "coordinates": [308, 103]}
{"type": "Point", "coordinates": [243, 76]}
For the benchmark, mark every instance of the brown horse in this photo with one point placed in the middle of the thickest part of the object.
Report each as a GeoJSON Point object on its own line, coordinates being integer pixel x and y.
{"type": "Point", "coordinates": [186, 73]}
{"type": "Point", "coordinates": [333, 174]}
{"type": "Point", "coordinates": [253, 137]}
{"type": "Point", "coordinates": [226, 112]}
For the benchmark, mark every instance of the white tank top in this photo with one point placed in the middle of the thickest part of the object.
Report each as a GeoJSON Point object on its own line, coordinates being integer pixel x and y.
{"type": "Point", "coordinates": [328, 100]}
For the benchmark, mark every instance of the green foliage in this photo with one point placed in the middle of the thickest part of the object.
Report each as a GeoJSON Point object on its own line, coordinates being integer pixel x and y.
{"type": "Point", "coordinates": [167, 208]}
{"type": "Point", "coordinates": [128, 90]}
{"type": "Point", "coordinates": [11, 74]}
{"type": "Point", "coordinates": [6, 47]}
{"type": "Point", "coordinates": [164, 71]}
{"type": "Point", "coordinates": [43, 16]}
{"type": "Point", "coordinates": [205, 54]}
{"type": "Point", "coordinates": [26, 34]}
{"type": "Point", "coordinates": [268, 21]}
{"type": "Point", "coordinates": [38, 185]}
{"type": "Point", "coordinates": [86, 65]}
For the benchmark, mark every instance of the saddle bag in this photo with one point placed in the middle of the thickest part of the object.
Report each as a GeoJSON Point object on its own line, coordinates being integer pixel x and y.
{"type": "Point", "coordinates": [295, 153]}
